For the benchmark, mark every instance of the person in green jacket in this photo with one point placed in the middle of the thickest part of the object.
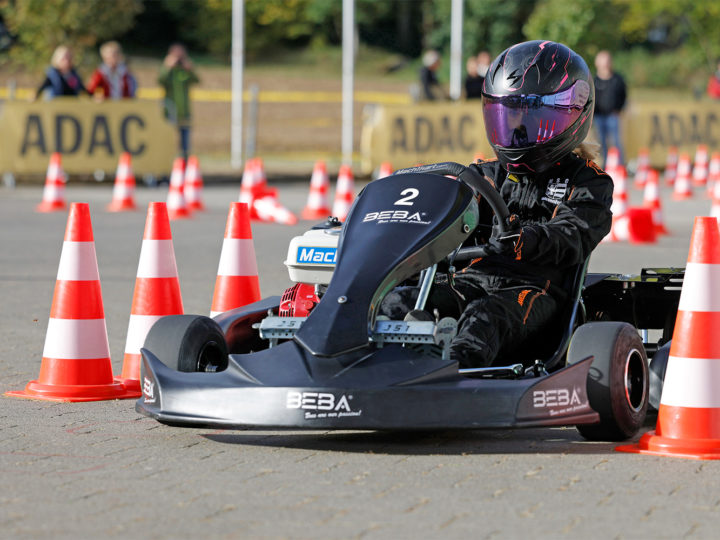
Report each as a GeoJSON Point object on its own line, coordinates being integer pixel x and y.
{"type": "Point", "coordinates": [176, 76]}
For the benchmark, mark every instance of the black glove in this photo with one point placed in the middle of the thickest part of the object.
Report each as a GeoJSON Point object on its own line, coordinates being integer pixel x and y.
{"type": "Point", "coordinates": [510, 242]}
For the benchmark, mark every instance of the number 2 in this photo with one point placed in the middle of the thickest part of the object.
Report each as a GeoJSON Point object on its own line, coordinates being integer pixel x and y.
{"type": "Point", "coordinates": [410, 194]}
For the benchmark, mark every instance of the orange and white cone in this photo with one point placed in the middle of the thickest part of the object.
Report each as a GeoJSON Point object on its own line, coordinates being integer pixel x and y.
{"type": "Point", "coordinates": [254, 185]}
{"type": "Point", "coordinates": [344, 195]}
{"type": "Point", "coordinates": [715, 209]}
{"type": "Point", "coordinates": [651, 200]}
{"type": "Point", "coordinates": [612, 161]}
{"type": "Point", "coordinates": [123, 198]}
{"type": "Point", "coordinates": [193, 185]}
{"type": "Point", "coordinates": [619, 231]}
{"type": "Point", "coordinates": [671, 164]}
{"type": "Point", "coordinates": [713, 172]}
{"type": "Point", "coordinates": [683, 188]}
{"type": "Point", "coordinates": [687, 424]}
{"type": "Point", "coordinates": [643, 165]}
{"type": "Point", "coordinates": [269, 209]}
{"type": "Point", "coordinates": [386, 169]}
{"type": "Point", "coordinates": [76, 362]}
{"type": "Point", "coordinates": [176, 203]}
{"type": "Point", "coordinates": [318, 206]}
{"type": "Point", "coordinates": [700, 168]}
{"type": "Point", "coordinates": [157, 289]}
{"type": "Point", "coordinates": [237, 281]}
{"type": "Point", "coordinates": [54, 190]}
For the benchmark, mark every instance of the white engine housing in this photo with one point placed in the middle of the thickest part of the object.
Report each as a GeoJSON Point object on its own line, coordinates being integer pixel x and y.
{"type": "Point", "coordinates": [311, 257]}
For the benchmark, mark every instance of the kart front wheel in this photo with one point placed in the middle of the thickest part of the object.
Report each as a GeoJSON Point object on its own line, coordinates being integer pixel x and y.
{"type": "Point", "coordinates": [618, 380]}
{"type": "Point", "coordinates": [190, 343]}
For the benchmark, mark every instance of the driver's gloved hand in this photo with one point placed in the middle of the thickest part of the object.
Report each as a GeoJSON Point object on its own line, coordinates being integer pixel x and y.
{"type": "Point", "coordinates": [512, 242]}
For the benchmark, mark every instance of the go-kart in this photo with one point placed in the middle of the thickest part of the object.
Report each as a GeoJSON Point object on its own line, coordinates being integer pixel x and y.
{"type": "Point", "coordinates": [320, 357]}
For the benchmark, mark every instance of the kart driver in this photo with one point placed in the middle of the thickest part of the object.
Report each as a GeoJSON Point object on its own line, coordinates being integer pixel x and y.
{"type": "Point", "coordinates": [538, 101]}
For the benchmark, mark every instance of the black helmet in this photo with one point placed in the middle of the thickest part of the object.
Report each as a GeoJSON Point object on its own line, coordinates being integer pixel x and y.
{"type": "Point", "coordinates": [538, 102]}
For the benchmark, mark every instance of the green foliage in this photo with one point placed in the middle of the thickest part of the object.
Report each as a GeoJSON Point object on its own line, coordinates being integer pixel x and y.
{"type": "Point", "coordinates": [40, 26]}
{"type": "Point", "coordinates": [586, 26]}
{"type": "Point", "coordinates": [491, 25]}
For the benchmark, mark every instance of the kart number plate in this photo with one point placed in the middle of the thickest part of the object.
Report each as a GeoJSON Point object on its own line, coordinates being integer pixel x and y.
{"type": "Point", "coordinates": [404, 331]}
{"type": "Point", "coordinates": [280, 327]}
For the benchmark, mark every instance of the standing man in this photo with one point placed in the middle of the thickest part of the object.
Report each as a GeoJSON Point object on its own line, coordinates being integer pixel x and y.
{"type": "Point", "coordinates": [176, 76]}
{"type": "Point", "coordinates": [431, 88]}
{"type": "Point", "coordinates": [610, 95]}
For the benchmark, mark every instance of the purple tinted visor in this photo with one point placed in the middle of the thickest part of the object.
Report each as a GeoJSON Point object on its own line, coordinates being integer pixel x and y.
{"type": "Point", "coordinates": [525, 120]}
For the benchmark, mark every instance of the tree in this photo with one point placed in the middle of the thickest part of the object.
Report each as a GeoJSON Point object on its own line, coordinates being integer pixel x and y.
{"type": "Point", "coordinates": [41, 26]}
{"type": "Point", "coordinates": [586, 26]}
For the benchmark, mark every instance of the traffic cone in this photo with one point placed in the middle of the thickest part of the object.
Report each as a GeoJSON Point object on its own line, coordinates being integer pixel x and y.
{"type": "Point", "coordinates": [700, 168]}
{"type": "Point", "coordinates": [157, 289]}
{"type": "Point", "coordinates": [386, 169]}
{"type": "Point", "coordinates": [687, 424]}
{"type": "Point", "coordinates": [671, 164]}
{"type": "Point", "coordinates": [193, 185]}
{"type": "Point", "coordinates": [317, 206]}
{"type": "Point", "coordinates": [237, 281]}
{"type": "Point", "coordinates": [651, 200]}
{"type": "Point", "coordinates": [343, 193]}
{"type": "Point", "coordinates": [715, 209]}
{"type": "Point", "coordinates": [683, 189]}
{"type": "Point", "coordinates": [713, 172]}
{"type": "Point", "coordinates": [643, 165]}
{"type": "Point", "coordinates": [619, 208]}
{"type": "Point", "coordinates": [123, 198]}
{"type": "Point", "coordinates": [269, 209]}
{"type": "Point", "coordinates": [478, 157]}
{"type": "Point", "coordinates": [254, 185]}
{"type": "Point", "coordinates": [176, 203]}
{"type": "Point", "coordinates": [612, 161]}
{"type": "Point", "coordinates": [54, 190]}
{"type": "Point", "coordinates": [76, 359]}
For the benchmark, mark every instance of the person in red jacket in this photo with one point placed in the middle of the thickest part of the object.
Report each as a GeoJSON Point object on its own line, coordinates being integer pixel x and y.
{"type": "Point", "coordinates": [112, 80]}
{"type": "Point", "coordinates": [713, 87]}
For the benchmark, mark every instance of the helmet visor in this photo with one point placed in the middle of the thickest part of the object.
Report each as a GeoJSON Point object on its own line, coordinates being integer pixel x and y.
{"type": "Point", "coordinates": [525, 120]}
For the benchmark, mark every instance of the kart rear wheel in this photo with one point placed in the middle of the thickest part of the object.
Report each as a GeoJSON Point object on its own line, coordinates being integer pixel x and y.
{"type": "Point", "coordinates": [190, 343]}
{"type": "Point", "coordinates": [618, 380]}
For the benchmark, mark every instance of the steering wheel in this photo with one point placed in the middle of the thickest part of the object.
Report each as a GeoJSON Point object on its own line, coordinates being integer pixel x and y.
{"type": "Point", "coordinates": [480, 186]}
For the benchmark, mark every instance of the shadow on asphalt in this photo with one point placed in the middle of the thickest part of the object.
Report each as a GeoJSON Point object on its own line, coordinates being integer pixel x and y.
{"type": "Point", "coordinates": [512, 441]}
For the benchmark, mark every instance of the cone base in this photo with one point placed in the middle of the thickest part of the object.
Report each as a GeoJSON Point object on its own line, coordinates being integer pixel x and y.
{"type": "Point", "coordinates": [53, 206]}
{"type": "Point", "coordinates": [657, 445]}
{"type": "Point", "coordinates": [178, 214]}
{"type": "Point", "coordinates": [132, 385]}
{"type": "Point", "coordinates": [681, 196]}
{"type": "Point", "coordinates": [121, 206]}
{"type": "Point", "coordinates": [196, 206]}
{"type": "Point", "coordinates": [315, 213]}
{"type": "Point", "coordinates": [75, 392]}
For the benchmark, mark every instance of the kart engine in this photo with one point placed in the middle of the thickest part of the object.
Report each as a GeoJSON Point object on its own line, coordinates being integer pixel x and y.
{"type": "Point", "coordinates": [298, 300]}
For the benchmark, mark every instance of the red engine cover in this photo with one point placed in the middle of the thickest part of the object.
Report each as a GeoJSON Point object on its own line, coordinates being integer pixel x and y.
{"type": "Point", "coordinates": [298, 300]}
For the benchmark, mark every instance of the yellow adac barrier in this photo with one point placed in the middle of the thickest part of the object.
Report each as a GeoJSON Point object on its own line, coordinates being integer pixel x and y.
{"type": "Point", "coordinates": [407, 135]}
{"type": "Point", "coordinates": [89, 135]}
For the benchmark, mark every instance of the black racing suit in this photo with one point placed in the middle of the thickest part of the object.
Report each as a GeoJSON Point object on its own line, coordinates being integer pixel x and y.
{"type": "Point", "coordinates": [510, 296]}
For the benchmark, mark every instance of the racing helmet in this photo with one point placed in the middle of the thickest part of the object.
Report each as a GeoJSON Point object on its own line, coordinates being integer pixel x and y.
{"type": "Point", "coordinates": [538, 101]}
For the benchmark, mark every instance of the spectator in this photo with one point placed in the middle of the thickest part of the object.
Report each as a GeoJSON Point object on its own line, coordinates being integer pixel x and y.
{"type": "Point", "coordinates": [610, 94]}
{"type": "Point", "coordinates": [713, 87]}
{"type": "Point", "coordinates": [176, 76]}
{"type": "Point", "coordinates": [431, 89]}
{"type": "Point", "coordinates": [477, 67]}
{"type": "Point", "coordinates": [61, 79]}
{"type": "Point", "coordinates": [112, 78]}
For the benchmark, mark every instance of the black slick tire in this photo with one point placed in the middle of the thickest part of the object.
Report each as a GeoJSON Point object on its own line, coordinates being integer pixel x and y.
{"type": "Point", "coordinates": [190, 343]}
{"type": "Point", "coordinates": [618, 380]}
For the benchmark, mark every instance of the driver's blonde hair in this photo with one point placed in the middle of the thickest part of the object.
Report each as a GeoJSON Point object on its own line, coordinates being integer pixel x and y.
{"type": "Point", "coordinates": [588, 150]}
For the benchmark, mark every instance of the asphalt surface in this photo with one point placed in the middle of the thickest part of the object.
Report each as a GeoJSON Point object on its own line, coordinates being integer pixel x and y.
{"type": "Point", "coordinates": [102, 470]}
